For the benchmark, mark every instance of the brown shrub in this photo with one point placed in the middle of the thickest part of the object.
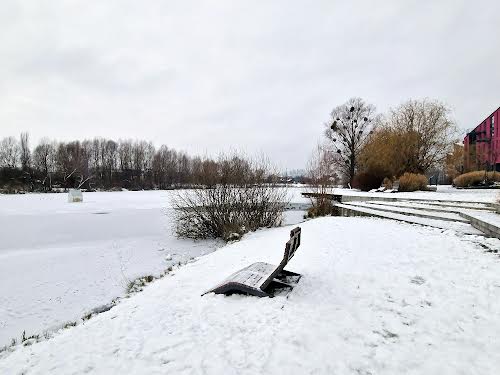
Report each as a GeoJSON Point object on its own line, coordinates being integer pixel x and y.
{"type": "Point", "coordinates": [476, 178]}
{"type": "Point", "coordinates": [387, 183]}
{"type": "Point", "coordinates": [412, 182]}
{"type": "Point", "coordinates": [321, 207]}
{"type": "Point", "coordinates": [366, 181]}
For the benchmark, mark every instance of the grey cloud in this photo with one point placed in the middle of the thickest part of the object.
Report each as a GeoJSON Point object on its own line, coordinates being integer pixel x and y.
{"type": "Point", "coordinates": [260, 76]}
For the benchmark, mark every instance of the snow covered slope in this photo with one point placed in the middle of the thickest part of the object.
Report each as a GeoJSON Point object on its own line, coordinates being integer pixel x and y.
{"type": "Point", "coordinates": [376, 297]}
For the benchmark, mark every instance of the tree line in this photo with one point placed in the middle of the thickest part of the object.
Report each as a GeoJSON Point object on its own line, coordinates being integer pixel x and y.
{"type": "Point", "coordinates": [100, 163]}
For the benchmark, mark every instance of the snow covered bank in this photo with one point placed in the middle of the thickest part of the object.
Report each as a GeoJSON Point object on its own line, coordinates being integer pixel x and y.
{"type": "Point", "coordinates": [376, 297]}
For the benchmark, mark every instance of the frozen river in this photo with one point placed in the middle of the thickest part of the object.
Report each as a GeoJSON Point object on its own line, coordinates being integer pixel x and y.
{"type": "Point", "coordinates": [59, 260]}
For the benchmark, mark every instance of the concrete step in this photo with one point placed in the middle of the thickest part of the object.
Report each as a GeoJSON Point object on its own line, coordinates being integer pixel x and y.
{"type": "Point", "coordinates": [419, 206]}
{"type": "Point", "coordinates": [487, 222]}
{"type": "Point", "coordinates": [428, 214]}
{"type": "Point", "coordinates": [348, 209]}
{"type": "Point", "coordinates": [465, 205]}
{"type": "Point", "coordinates": [396, 198]}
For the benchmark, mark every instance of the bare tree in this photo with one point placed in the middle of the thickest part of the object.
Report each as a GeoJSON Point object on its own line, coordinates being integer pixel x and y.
{"type": "Point", "coordinates": [209, 174]}
{"type": "Point", "coordinates": [9, 152]}
{"type": "Point", "coordinates": [96, 155]}
{"type": "Point", "coordinates": [426, 132]}
{"type": "Point", "coordinates": [125, 154]}
{"type": "Point", "coordinates": [196, 170]}
{"type": "Point", "coordinates": [454, 162]}
{"type": "Point", "coordinates": [183, 168]}
{"type": "Point", "coordinates": [73, 163]}
{"type": "Point", "coordinates": [348, 130]}
{"type": "Point", "coordinates": [44, 159]}
{"type": "Point", "coordinates": [25, 152]}
{"type": "Point", "coordinates": [110, 155]}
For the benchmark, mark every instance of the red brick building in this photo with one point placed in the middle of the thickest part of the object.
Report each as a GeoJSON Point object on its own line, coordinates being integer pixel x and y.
{"type": "Point", "coordinates": [482, 145]}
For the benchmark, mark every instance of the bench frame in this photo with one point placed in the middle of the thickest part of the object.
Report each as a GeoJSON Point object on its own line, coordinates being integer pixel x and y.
{"type": "Point", "coordinates": [261, 279]}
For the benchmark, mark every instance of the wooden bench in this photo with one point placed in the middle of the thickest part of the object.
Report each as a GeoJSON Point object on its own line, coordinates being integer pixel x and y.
{"type": "Point", "coordinates": [262, 279]}
{"type": "Point", "coordinates": [395, 187]}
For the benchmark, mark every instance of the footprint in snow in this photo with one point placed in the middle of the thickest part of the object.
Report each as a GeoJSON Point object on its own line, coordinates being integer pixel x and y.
{"type": "Point", "coordinates": [387, 334]}
{"type": "Point", "coordinates": [419, 280]}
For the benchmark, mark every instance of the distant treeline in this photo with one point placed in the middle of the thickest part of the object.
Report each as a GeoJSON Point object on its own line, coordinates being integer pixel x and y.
{"type": "Point", "coordinates": [106, 164]}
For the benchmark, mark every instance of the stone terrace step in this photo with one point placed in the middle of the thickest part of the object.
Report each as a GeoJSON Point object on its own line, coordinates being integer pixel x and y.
{"type": "Point", "coordinates": [353, 210]}
{"type": "Point", "coordinates": [419, 206]}
{"type": "Point", "coordinates": [429, 214]}
{"type": "Point", "coordinates": [469, 205]}
{"type": "Point", "coordinates": [487, 222]}
{"type": "Point", "coordinates": [396, 198]}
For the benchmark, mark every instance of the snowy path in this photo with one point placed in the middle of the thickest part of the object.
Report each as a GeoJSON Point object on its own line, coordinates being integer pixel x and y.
{"type": "Point", "coordinates": [377, 297]}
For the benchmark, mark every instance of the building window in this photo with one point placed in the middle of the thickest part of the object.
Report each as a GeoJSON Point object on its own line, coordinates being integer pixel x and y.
{"type": "Point", "coordinates": [492, 126]}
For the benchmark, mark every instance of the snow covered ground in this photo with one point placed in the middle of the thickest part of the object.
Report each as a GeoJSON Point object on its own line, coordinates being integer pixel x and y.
{"type": "Point", "coordinates": [376, 297]}
{"type": "Point", "coordinates": [59, 260]}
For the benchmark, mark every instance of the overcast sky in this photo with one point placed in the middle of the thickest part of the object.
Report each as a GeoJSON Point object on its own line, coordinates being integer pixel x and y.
{"type": "Point", "coordinates": [260, 76]}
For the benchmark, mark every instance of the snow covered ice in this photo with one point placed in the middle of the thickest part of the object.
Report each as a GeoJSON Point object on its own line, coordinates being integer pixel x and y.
{"type": "Point", "coordinates": [59, 260]}
{"type": "Point", "coordinates": [376, 297]}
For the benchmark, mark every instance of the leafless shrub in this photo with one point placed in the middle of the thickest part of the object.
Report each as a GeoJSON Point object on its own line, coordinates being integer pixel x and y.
{"type": "Point", "coordinates": [234, 198]}
{"type": "Point", "coordinates": [322, 177]}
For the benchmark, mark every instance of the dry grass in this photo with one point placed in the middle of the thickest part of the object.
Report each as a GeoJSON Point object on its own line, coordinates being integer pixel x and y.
{"type": "Point", "coordinates": [321, 207]}
{"type": "Point", "coordinates": [412, 182]}
{"type": "Point", "coordinates": [387, 183]}
{"type": "Point", "coordinates": [476, 178]}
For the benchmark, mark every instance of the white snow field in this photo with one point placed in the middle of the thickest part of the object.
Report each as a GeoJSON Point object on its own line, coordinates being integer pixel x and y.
{"type": "Point", "coordinates": [59, 260]}
{"type": "Point", "coordinates": [376, 297]}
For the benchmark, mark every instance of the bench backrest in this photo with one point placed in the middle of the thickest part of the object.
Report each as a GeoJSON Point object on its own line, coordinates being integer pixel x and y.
{"type": "Point", "coordinates": [290, 247]}
{"type": "Point", "coordinates": [292, 244]}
